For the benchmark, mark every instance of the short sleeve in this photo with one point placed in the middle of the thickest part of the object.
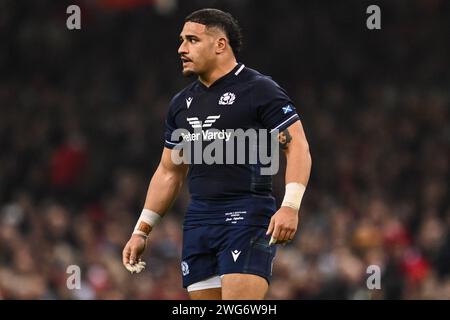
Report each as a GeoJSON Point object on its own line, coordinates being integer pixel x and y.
{"type": "Point", "coordinates": [170, 127]}
{"type": "Point", "coordinates": [275, 109]}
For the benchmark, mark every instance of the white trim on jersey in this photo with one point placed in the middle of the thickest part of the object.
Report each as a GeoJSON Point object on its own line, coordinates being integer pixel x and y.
{"type": "Point", "coordinates": [171, 143]}
{"type": "Point", "coordinates": [239, 70]}
{"type": "Point", "coordinates": [291, 117]}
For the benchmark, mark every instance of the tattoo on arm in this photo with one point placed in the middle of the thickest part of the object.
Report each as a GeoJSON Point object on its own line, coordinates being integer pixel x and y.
{"type": "Point", "coordinates": [284, 137]}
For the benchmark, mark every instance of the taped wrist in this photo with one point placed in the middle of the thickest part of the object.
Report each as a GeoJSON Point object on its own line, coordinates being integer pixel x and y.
{"type": "Point", "coordinates": [146, 222]}
{"type": "Point", "coordinates": [293, 195]}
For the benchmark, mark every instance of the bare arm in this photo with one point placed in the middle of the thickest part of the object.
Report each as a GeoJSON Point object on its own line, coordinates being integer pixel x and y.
{"type": "Point", "coordinates": [165, 184]}
{"type": "Point", "coordinates": [284, 222]}
{"type": "Point", "coordinates": [296, 149]}
{"type": "Point", "coordinates": [162, 191]}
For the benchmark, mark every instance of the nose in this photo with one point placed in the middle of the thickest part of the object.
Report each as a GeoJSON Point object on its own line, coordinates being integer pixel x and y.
{"type": "Point", "coordinates": [182, 49]}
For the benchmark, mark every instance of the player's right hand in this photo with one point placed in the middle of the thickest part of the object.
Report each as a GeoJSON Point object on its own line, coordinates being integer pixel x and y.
{"type": "Point", "coordinates": [131, 254]}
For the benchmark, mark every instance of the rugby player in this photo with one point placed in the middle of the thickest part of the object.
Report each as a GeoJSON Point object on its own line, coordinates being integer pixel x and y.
{"type": "Point", "coordinates": [232, 226]}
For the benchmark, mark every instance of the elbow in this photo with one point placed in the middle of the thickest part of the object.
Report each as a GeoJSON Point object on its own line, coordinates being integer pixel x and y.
{"type": "Point", "coordinates": [171, 177]}
{"type": "Point", "coordinates": [309, 159]}
{"type": "Point", "coordinates": [174, 178]}
{"type": "Point", "coordinates": [306, 149]}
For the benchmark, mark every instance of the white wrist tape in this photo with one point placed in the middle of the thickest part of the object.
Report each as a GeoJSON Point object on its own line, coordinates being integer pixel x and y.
{"type": "Point", "coordinates": [147, 218]}
{"type": "Point", "coordinates": [293, 196]}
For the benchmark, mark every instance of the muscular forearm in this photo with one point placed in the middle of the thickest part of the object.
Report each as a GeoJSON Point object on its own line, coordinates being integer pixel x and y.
{"type": "Point", "coordinates": [162, 191]}
{"type": "Point", "coordinates": [298, 167]}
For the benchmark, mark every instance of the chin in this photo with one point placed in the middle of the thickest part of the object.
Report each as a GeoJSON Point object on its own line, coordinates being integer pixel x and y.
{"type": "Point", "coordinates": [188, 72]}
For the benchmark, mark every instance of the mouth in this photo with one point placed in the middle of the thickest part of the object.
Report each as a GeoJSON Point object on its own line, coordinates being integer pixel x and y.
{"type": "Point", "coordinates": [185, 60]}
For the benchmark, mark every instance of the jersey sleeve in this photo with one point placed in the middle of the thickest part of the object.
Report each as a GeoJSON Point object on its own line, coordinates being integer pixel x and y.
{"type": "Point", "coordinates": [274, 108]}
{"type": "Point", "coordinates": [170, 127]}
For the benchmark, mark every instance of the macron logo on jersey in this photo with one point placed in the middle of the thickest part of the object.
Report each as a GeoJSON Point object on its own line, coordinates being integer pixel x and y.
{"type": "Point", "coordinates": [235, 254]}
{"type": "Point", "coordinates": [195, 123]}
{"type": "Point", "coordinates": [188, 102]}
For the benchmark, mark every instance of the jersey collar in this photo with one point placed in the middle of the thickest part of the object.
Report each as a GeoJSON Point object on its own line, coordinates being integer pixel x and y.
{"type": "Point", "coordinates": [233, 73]}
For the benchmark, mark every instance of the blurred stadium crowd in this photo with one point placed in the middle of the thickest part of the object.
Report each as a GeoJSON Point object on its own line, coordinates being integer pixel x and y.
{"type": "Point", "coordinates": [81, 131]}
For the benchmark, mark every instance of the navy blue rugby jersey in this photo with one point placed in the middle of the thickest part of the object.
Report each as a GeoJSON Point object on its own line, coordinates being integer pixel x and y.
{"type": "Point", "coordinates": [242, 99]}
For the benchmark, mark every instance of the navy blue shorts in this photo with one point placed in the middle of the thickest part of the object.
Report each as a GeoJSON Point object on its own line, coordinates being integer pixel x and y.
{"type": "Point", "coordinates": [220, 249]}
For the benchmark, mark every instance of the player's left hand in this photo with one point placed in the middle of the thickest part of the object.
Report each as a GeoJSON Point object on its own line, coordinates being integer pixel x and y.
{"type": "Point", "coordinates": [283, 225]}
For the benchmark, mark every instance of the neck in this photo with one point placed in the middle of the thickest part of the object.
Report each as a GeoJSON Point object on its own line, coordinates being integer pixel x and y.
{"type": "Point", "coordinates": [219, 71]}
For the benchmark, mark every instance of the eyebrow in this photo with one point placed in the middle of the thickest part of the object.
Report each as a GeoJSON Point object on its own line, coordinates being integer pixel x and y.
{"type": "Point", "coordinates": [189, 36]}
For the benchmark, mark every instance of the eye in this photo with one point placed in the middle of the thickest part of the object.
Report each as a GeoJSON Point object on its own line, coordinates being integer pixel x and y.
{"type": "Point", "coordinates": [193, 40]}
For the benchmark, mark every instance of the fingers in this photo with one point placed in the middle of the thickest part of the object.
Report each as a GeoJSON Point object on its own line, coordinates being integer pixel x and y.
{"type": "Point", "coordinates": [126, 255]}
{"type": "Point", "coordinates": [275, 235]}
{"type": "Point", "coordinates": [272, 241]}
{"type": "Point", "coordinates": [133, 257]}
{"type": "Point", "coordinates": [276, 241]}
{"type": "Point", "coordinates": [129, 255]}
{"type": "Point", "coordinates": [282, 235]}
{"type": "Point", "coordinates": [271, 225]}
{"type": "Point", "coordinates": [276, 231]}
{"type": "Point", "coordinates": [291, 235]}
{"type": "Point", "coordinates": [132, 253]}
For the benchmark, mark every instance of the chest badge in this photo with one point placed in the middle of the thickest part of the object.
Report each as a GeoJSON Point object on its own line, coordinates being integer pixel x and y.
{"type": "Point", "coordinates": [227, 99]}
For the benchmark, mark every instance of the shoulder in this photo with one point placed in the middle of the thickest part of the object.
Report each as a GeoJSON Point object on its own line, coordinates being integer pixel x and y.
{"type": "Point", "coordinates": [259, 81]}
{"type": "Point", "coordinates": [264, 90]}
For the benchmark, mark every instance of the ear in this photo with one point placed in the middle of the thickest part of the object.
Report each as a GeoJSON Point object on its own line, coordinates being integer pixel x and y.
{"type": "Point", "coordinates": [221, 45]}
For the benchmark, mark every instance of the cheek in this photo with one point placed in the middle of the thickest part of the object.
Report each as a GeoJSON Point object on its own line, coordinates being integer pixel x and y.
{"type": "Point", "coordinates": [204, 54]}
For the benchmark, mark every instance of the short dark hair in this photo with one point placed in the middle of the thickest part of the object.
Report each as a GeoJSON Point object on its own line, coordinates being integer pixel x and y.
{"type": "Point", "coordinates": [222, 20]}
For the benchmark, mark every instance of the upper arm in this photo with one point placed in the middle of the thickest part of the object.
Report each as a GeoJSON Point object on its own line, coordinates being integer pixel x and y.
{"type": "Point", "coordinates": [274, 108]}
{"type": "Point", "coordinates": [294, 135]}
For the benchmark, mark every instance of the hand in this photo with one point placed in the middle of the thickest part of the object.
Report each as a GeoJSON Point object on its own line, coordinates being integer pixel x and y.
{"type": "Point", "coordinates": [283, 225]}
{"type": "Point", "coordinates": [131, 254]}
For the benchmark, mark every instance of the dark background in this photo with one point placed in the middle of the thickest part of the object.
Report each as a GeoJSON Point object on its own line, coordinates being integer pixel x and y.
{"type": "Point", "coordinates": [81, 133]}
